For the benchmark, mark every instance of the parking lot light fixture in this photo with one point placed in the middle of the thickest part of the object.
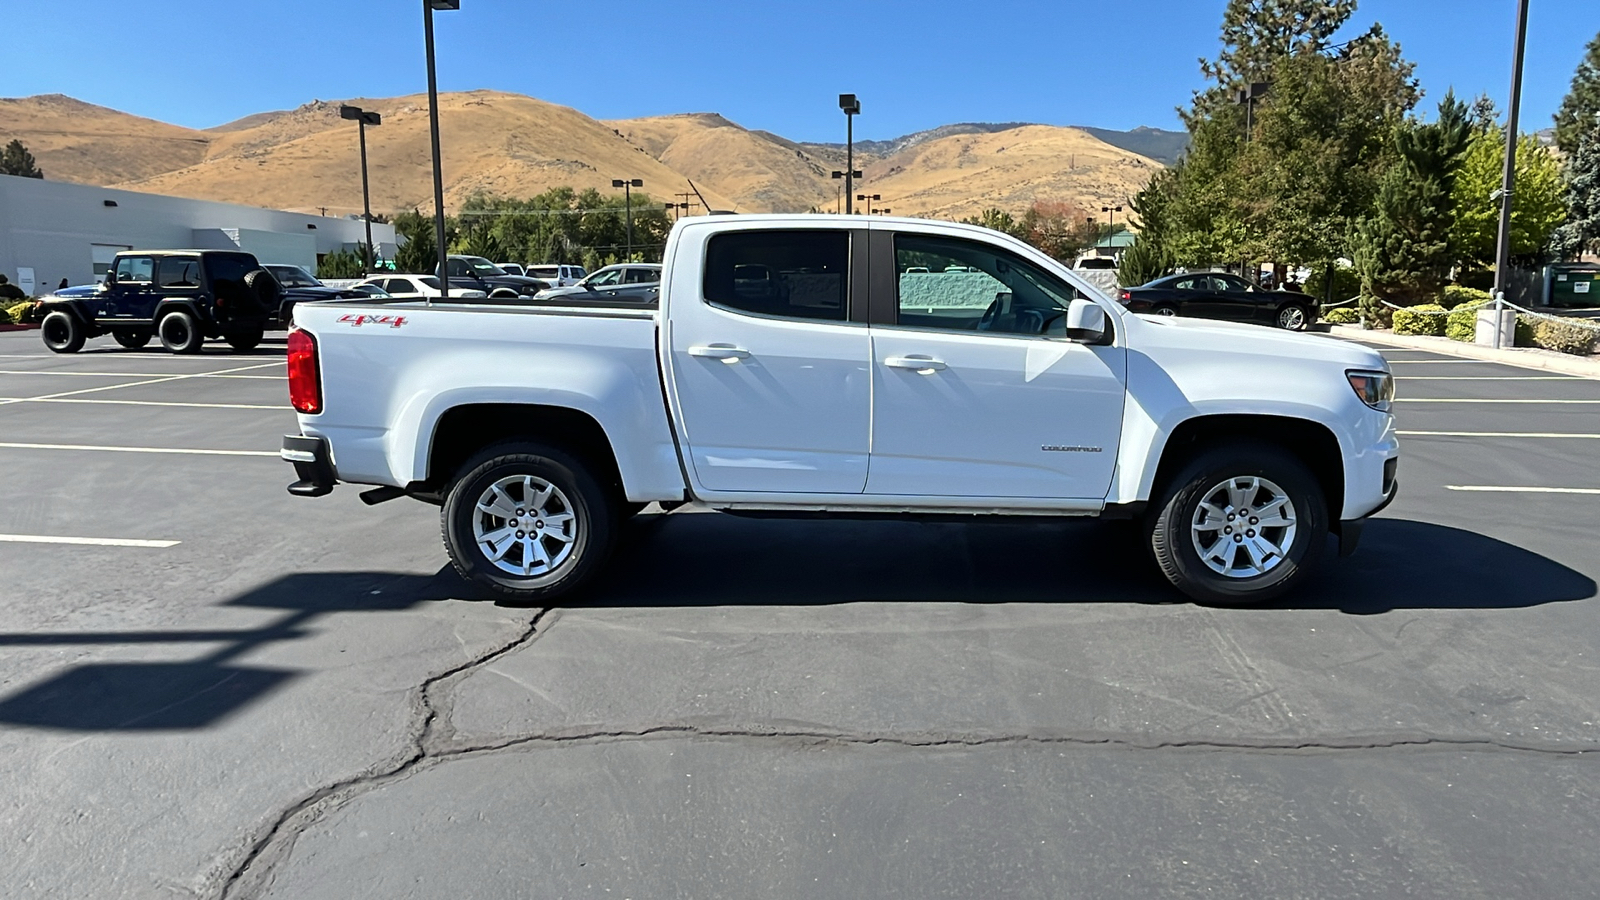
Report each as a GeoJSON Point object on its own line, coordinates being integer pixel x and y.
{"type": "Point", "coordinates": [363, 118]}
{"type": "Point", "coordinates": [428, 6]}
{"type": "Point", "coordinates": [627, 185]}
{"type": "Point", "coordinates": [851, 106]}
{"type": "Point", "coordinates": [871, 198]}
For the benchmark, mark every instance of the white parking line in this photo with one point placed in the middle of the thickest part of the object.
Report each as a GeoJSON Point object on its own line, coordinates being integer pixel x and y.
{"type": "Point", "coordinates": [1500, 434]}
{"type": "Point", "coordinates": [90, 542]}
{"type": "Point", "coordinates": [1454, 400]}
{"type": "Point", "coordinates": [137, 374]}
{"type": "Point", "coordinates": [112, 387]}
{"type": "Point", "coordinates": [143, 403]}
{"type": "Point", "coordinates": [1405, 377]}
{"type": "Point", "coordinates": [1446, 362]}
{"type": "Point", "coordinates": [97, 448]}
{"type": "Point", "coordinates": [1510, 489]}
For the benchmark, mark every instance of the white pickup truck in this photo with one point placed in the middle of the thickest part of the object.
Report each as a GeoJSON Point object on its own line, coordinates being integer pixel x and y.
{"type": "Point", "coordinates": [807, 365]}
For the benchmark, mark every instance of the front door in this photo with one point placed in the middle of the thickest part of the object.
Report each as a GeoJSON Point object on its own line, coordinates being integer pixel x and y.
{"type": "Point", "coordinates": [770, 379]}
{"type": "Point", "coordinates": [977, 390]}
{"type": "Point", "coordinates": [133, 294]}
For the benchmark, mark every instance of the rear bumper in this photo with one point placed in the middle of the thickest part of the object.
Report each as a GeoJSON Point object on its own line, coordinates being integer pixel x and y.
{"type": "Point", "coordinates": [313, 465]}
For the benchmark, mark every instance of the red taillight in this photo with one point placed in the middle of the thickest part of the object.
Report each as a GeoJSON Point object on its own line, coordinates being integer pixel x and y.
{"type": "Point", "coordinates": [1126, 296]}
{"type": "Point", "coordinates": [305, 381]}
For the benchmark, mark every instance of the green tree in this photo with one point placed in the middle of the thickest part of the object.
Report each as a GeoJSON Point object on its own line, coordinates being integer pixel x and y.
{"type": "Point", "coordinates": [1255, 35]}
{"type": "Point", "coordinates": [342, 264]}
{"type": "Point", "coordinates": [996, 220]}
{"type": "Point", "coordinates": [1581, 233]}
{"type": "Point", "coordinates": [1538, 206]}
{"type": "Point", "coordinates": [1060, 229]}
{"type": "Point", "coordinates": [1582, 103]}
{"type": "Point", "coordinates": [16, 160]}
{"type": "Point", "coordinates": [1142, 263]}
{"type": "Point", "coordinates": [1404, 249]}
{"type": "Point", "coordinates": [418, 253]}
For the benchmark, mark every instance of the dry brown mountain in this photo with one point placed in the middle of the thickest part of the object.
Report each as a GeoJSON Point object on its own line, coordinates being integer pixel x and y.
{"type": "Point", "coordinates": [510, 144]}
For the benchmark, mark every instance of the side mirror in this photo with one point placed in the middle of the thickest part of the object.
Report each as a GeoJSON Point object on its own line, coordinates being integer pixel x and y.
{"type": "Point", "coordinates": [1086, 321]}
{"type": "Point", "coordinates": [586, 285]}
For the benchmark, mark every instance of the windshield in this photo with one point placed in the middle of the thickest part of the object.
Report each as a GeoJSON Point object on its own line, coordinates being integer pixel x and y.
{"type": "Point", "coordinates": [293, 276]}
{"type": "Point", "coordinates": [482, 267]}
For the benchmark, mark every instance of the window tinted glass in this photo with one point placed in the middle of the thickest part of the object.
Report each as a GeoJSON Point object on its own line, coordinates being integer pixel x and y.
{"type": "Point", "coordinates": [179, 272]}
{"type": "Point", "coordinates": [643, 276]}
{"type": "Point", "coordinates": [606, 278]}
{"type": "Point", "coordinates": [796, 274]}
{"type": "Point", "coordinates": [971, 286]}
{"type": "Point", "coordinates": [1187, 284]}
{"type": "Point", "coordinates": [135, 269]}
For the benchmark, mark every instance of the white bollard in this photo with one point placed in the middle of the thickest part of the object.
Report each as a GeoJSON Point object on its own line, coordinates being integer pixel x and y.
{"type": "Point", "coordinates": [1486, 327]}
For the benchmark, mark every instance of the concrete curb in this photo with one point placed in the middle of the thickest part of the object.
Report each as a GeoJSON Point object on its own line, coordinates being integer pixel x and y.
{"type": "Point", "coordinates": [1525, 357]}
{"type": "Point", "coordinates": [29, 327]}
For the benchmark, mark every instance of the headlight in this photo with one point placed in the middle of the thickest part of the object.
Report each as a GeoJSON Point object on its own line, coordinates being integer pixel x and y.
{"type": "Point", "coordinates": [1376, 389]}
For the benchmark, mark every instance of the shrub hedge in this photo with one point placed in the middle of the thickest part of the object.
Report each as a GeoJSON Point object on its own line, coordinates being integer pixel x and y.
{"type": "Point", "coordinates": [1429, 318]}
{"type": "Point", "coordinates": [1455, 295]}
{"type": "Point", "coordinates": [1342, 315]}
{"type": "Point", "coordinates": [1564, 337]}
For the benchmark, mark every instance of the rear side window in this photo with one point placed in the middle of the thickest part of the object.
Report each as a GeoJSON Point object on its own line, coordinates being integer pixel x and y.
{"type": "Point", "coordinates": [178, 272]}
{"type": "Point", "coordinates": [135, 269]}
{"type": "Point", "coordinates": [643, 276]}
{"type": "Point", "coordinates": [793, 274]}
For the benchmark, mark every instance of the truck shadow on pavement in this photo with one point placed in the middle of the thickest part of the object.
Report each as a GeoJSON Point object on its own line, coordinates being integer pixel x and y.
{"type": "Point", "coordinates": [702, 560]}
{"type": "Point", "coordinates": [200, 692]}
{"type": "Point", "coordinates": [720, 560]}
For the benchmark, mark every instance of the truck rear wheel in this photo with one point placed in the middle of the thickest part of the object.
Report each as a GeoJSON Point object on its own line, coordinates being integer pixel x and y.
{"type": "Point", "coordinates": [62, 332]}
{"type": "Point", "coordinates": [527, 521]}
{"type": "Point", "coordinates": [1240, 525]}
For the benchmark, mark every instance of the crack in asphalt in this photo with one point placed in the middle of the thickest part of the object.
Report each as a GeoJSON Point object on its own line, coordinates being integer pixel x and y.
{"type": "Point", "coordinates": [432, 742]}
{"type": "Point", "coordinates": [254, 872]}
{"type": "Point", "coordinates": [822, 737]}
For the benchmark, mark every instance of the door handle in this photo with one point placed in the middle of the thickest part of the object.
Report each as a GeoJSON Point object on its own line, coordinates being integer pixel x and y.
{"type": "Point", "coordinates": [923, 365]}
{"type": "Point", "coordinates": [728, 353]}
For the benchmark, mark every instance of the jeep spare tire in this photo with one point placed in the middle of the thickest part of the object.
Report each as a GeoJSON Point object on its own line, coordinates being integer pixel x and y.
{"type": "Point", "coordinates": [262, 290]}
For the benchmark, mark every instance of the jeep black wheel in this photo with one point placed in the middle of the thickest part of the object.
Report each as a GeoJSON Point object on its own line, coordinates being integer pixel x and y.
{"type": "Point", "coordinates": [244, 338]}
{"type": "Point", "coordinates": [62, 332]}
{"type": "Point", "coordinates": [1240, 525]}
{"type": "Point", "coordinates": [133, 340]}
{"type": "Point", "coordinates": [179, 333]}
{"type": "Point", "coordinates": [527, 521]}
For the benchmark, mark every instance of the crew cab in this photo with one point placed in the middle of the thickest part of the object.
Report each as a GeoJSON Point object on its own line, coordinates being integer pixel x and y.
{"type": "Point", "coordinates": [861, 366]}
{"type": "Point", "coordinates": [180, 296]}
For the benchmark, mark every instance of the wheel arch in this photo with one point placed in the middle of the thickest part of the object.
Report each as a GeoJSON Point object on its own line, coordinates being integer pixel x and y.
{"type": "Point", "coordinates": [1310, 441]}
{"type": "Point", "coordinates": [75, 309]}
{"type": "Point", "coordinates": [462, 431]}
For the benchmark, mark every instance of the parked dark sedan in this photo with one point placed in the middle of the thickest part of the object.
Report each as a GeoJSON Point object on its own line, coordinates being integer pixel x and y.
{"type": "Point", "coordinates": [1218, 295]}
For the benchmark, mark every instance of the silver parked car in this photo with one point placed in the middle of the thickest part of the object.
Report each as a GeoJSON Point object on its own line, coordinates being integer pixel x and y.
{"type": "Point", "coordinates": [636, 282]}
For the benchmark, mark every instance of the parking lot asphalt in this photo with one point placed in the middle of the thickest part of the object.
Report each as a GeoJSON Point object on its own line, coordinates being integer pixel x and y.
{"type": "Point", "coordinates": [216, 689]}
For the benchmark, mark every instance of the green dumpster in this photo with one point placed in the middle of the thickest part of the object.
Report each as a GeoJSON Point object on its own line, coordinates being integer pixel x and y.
{"type": "Point", "coordinates": [1573, 285]}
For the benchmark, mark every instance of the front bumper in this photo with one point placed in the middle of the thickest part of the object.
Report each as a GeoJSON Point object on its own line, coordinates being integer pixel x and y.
{"type": "Point", "coordinates": [1350, 529]}
{"type": "Point", "coordinates": [313, 465]}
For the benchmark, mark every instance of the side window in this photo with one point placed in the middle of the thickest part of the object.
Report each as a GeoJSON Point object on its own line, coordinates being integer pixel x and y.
{"type": "Point", "coordinates": [794, 274]}
{"type": "Point", "coordinates": [458, 268]}
{"type": "Point", "coordinates": [178, 272]}
{"type": "Point", "coordinates": [642, 276]}
{"type": "Point", "coordinates": [607, 278]}
{"type": "Point", "coordinates": [961, 285]}
{"type": "Point", "coordinates": [135, 269]}
{"type": "Point", "coordinates": [400, 286]}
{"type": "Point", "coordinates": [1187, 284]}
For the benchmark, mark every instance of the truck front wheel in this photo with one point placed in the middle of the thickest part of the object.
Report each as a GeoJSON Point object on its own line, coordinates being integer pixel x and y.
{"type": "Point", "coordinates": [1239, 525]}
{"type": "Point", "coordinates": [527, 521]}
{"type": "Point", "coordinates": [62, 332]}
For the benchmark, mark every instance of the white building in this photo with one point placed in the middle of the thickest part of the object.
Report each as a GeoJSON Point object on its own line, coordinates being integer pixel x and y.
{"type": "Point", "coordinates": [52, 230]}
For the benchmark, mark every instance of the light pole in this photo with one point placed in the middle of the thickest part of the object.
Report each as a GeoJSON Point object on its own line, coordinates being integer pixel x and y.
{"type": "Point", "coordinates": [852, 108]}
{"type": "Point", "coordinates": [627, 186]}
{"type": "Point", "coordinates": [1508, 184]}
{"type": "Point", "coordinates": [1247, 98]}
{"type": "Point", "coordinates": [428, 6]}
{"type": "Point", "coordinates": [1111, 228]}
{"type": "Point", "coordinates": [364, 118]}
{"type": "Point", "coordinates": [870, 198]}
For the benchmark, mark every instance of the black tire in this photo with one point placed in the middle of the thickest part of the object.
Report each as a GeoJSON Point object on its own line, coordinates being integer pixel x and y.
{"type": "Point", "coordinates": [244, 339]}
{"type": "Point", "coordinates": [1175, 515]}
{"type": "Point", "coordinates": [1294, 317]}
{"type": "Point", "coordinates": [578, 493]}
{"type": "Point", "coordinates": [133, 340]}
{"type": "Point", "coordinates": [62, 332]}
{"type": "Point", "coordinates": [1165, 309]}
{"type": "Point", "coordinates": [262, 290]}
{"type": "Point", "coordinates": [180, 333]}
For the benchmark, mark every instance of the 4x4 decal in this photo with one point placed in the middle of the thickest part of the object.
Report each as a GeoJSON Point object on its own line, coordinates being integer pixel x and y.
{"type": "Point", "coordinates": [356, 320]}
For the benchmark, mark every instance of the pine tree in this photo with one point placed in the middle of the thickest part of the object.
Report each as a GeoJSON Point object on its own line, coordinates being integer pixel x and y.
{"type": "Point", "coordinates": [16, 160]}
{"type": "Point", "coordinates": [1403, 249]}
{"type": "Point", "coordinates": [1581, 233]}
{"type": "Point", "coordinates": [1258, 33]}
{"type": "Point", "coordinates": [1582, 103]}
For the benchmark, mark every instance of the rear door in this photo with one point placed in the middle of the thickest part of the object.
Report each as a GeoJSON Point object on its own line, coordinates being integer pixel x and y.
{"type": "Point", "coordinates": [176, 277]}
{"type": "Point", "coordinates": [977, 391]}
{"type": "Point", "coordinates": [771, 391]}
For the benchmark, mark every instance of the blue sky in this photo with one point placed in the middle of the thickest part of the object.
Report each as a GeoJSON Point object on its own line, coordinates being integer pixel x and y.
{"type": "Point", "coordinates": [770, 64]}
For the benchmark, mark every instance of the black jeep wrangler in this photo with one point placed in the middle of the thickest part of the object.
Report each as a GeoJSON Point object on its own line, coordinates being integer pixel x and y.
{"type": "Point", "coordinates": [180, 296]}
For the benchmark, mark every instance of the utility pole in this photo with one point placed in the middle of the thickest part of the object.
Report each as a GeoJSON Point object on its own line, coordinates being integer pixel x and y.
{"type": "Point", "coordinates": [1508, 184]}
{"type": "Point", "coordinates": [851, 107]}
{"type": "Point", "coordinates": [627, 185]}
